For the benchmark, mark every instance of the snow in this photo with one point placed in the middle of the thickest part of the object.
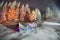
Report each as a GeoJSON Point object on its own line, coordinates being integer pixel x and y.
{"type": "Point", "coordinates": [45, 33]}
{"type": "Point", "coordinates": [41, 34]}
{"type": "Point", "coordinates": [50, 23]}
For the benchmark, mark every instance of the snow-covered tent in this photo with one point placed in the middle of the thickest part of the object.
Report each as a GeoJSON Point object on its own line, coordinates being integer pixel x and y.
{"type": "Point", "coordinates": [1, 4]}
{"type": "Point", "coordinates": [38, 14]}
{"type": "Point", "coordinates": [21, 26]}
{"type": "Point", "coordinates": [49, 13]}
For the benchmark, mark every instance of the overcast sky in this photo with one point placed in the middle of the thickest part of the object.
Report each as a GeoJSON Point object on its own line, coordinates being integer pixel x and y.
{"type": "Point", "coordinates": [41, 4]}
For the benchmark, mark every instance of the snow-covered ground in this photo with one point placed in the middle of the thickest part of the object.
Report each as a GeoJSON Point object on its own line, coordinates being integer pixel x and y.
{"type": "Point", "coordinates": [53, 25]}
{"type": "Point", "coordinates": [45, 33]}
